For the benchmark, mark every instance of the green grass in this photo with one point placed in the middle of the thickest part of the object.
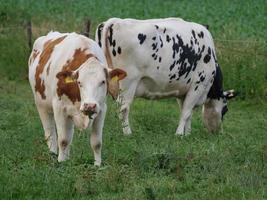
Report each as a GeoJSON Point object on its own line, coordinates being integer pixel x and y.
{"type": "Point", "coordinates": [153, 163]}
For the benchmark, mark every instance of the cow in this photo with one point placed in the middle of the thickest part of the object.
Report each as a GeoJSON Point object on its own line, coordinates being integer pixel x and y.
{"type": "Point", "coordinates": [69, 78]}
{"type": "Point", "coordinates": [166, 58]}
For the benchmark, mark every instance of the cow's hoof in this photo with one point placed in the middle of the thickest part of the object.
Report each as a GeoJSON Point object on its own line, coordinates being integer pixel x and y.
{"type": "Point", "coordinates": [127, 131]}
{"type": "Point", "coordinates": [52, 146]}
{"type": "Point", "coordinates": [62, 157]}
{"type": "Point", "coordinates": [97, 163]}
{"type": "Point", "coordinates": [53, 150]}
{"type": "Point", "coordinates": [180, 134]}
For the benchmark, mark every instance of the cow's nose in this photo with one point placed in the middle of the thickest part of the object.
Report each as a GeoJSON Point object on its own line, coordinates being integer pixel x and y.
{"type": "Point", "coordinates": [91, 107]}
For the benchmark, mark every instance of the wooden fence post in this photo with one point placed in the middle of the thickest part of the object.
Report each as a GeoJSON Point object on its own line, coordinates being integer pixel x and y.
{"type": "Point", "coordinates": [87, 25]}
{"type": "Point", "coordinates": [29, 34]}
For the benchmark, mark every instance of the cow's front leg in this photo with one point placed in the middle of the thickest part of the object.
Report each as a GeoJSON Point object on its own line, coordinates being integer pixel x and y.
{"type": "Point", "coordinates": [48, 122]}
{"type": "Point", "coordinates": [191, 99]}
{"type": "Point", "coordinates": [185, 117]}
{"type": "Point", "coordinates": [96, 135]}
{"type": "Point", "coordinates": [65, 129]}
{"type": "Point", "coordinates": [187, 126]}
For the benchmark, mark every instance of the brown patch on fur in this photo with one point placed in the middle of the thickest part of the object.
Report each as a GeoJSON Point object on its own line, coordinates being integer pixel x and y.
{"type": "Point", "coordinates": [48, 69]}
{"type": "Point", "coordinates": [97, 146]}
{"type": "Point", "coordinates": [79, 57]}
{"type": "Point", "coordinates": [44, 57]}
{"type": "Point", "coordinates": [64, 144]}
{"type": "Point", "coordinates": [71, 90]}
{"type": "Point", "coordinates": [34, 54]}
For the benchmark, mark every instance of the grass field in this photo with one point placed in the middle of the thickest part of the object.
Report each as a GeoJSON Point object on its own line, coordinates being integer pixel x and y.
{"type": "Point", "coordinates": [153, 163]}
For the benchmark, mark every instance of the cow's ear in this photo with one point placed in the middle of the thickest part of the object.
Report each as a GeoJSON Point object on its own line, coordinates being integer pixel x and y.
{"type": "Point", "coordinates": [117, 74]}
{"type": "Point", "coordinates": [114, 76]}
{"type": "Point", "coordinates": [229, 94]}
{"type": "Point", "coordinates": [68, 76]}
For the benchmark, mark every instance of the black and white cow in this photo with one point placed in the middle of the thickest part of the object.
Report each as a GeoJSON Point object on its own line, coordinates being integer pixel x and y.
{"type": "Point", "coordinates": [166, 58]}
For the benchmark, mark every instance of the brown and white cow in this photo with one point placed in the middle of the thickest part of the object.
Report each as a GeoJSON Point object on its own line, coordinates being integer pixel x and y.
{"type": "Point", "coordinates": [166, 58]}
{"type": "Point", "coordinates": [69, 79]}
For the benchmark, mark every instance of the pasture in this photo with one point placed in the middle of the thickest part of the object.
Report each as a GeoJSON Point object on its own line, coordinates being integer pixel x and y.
{"type": "Point", "coordinates": [153, 163]}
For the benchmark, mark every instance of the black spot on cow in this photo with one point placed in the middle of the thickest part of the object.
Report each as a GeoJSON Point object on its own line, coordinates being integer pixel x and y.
{"type": "Point", "coordinates": [209, 51]}
{"type": "Point", "coordinates": [154, 38]}
{"type": "Point", "coordinates": [153, 55]}
{"type": "Point", "coordinates": [202, 78]}
{"type": "Point", "coordinates": [141, 38]}
{"type": "Point", "coordinates": [207, 58]}
{"type": "Point", "coordinates": [157, 67]}
{"type": "Point", "coordinates": [196, 87]}
{"type": "Point", "coordinates": [201, 34]}
{"type": "Point", "coordinates": [194, 34]}
{"type": "Point", "coordinates": [168, 39]}
{"type": "Point", "coordinates": [157, 50]}
{"type": "Point", "coordinates": [110, 37]}
{"type": "Point", "coordinates": [172, 66]}
{"type": "Point", "coordinates": [99, 31]}
{"type": "Point", "coordinates": [157, 27]}
{"type": "Point", "coordinates": [188, 57]}
{"type": "Point", "coordinates": [188, 81]}
{"type": "Point", "coordinates": [173, 76]}
{"type": "Point", "coordinates": [114, 52]}
{"type": "Point", "coordinates": [155, 58]}
{"type": "Point", "coordinates": [161, 42]}
{"type": "Point", "coordinates": [119, 50]}
{"type": "Point", "coordinates": [164, 30]}
{"type": "Point", "coordinates": [154, 46]}
{"type": "Point", "coordinates": [159, 59]}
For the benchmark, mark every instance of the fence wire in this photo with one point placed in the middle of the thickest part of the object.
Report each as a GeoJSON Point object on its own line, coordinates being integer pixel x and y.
{"type": "Point", "coordinates": [220, 43]}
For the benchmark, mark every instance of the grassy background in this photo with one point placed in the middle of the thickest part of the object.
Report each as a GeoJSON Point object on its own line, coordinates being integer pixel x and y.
{"type": "Point", "coordinates": [153, 163]}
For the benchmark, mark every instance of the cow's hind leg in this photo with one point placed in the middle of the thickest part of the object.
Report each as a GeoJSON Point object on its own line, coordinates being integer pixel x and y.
{"type": "Point", "coordinates": [48, 122]}
{"type": "Point", "coordinates": [65, 129]}
{"type": "Point", "coordinates": [125, 99]}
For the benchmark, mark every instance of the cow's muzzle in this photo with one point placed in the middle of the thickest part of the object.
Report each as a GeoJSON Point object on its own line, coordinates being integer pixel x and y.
{"type": "Point", "coordinates": [89, 109]}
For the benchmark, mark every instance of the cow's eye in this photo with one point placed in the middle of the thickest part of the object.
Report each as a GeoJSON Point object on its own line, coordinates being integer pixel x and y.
{"type": "Point", "coordinates": [103, 82]}
{"type": "Point", "coordinates": [79, 83]}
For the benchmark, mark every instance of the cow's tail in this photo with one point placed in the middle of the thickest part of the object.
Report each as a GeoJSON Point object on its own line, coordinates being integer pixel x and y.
{"type": "Point", "coordinates": [103, 32]}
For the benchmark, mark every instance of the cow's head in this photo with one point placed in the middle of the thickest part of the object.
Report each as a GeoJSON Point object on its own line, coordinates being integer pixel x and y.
{"type": "Point", "coordinates": [214, 110]}
{"type": "Point", "coordinates": [93, 80]}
